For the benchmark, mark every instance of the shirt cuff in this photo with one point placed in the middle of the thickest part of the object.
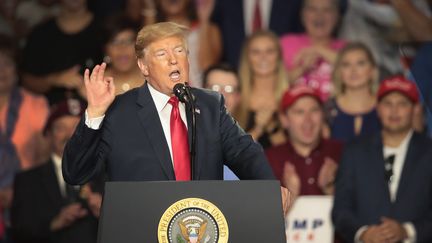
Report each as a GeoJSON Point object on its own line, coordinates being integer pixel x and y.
{"type": "Point", "coordinates": [411, 232]}
{"type": "Point", "coordinates": [359, 233]}
{"type": "Point", "coordinates": [93, 123]}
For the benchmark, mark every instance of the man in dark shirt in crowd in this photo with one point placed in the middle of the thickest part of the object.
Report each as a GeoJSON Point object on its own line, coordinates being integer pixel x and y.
{"type": "Point", "coordinates": [306, 164]}
{"type": "Point", "coordinates": [45, 208]}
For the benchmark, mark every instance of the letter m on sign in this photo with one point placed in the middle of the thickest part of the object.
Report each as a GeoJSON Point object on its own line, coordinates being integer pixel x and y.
{"type": "Point", "coordinates": [300, 224]}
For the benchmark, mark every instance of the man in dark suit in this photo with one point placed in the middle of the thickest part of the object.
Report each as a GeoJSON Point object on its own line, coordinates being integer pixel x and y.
{"type": "Point", "coordinates": [44, 208]}
{"type": "Point", "coordinates": [283, 17]}
{"type": "Point", "coordinates": [136, 134]}
{"type": "Point", "coordinates": [384, 182]}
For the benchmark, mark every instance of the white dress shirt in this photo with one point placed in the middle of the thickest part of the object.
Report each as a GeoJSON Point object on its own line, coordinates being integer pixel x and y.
{"type": "Point", "coordinates": [400, 153]}
{"type": "Point", "coordinates": [59, 174]}
{"type": "Point", "coordinates": [164, 111]}
{"type": "Point", "coordinates": [249, 10]}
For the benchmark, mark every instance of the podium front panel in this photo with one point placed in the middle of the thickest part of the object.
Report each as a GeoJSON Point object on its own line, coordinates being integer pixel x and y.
{"type": "Point", "coordinates": [132, 211]}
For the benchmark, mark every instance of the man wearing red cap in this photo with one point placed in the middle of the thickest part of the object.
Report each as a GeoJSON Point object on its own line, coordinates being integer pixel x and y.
{"type": "Point", "coordinates": [45, 208]}
{"type": "Point", "coordinates": [306, 164]}
{"type": "Point", "coordinates": [384, 183]}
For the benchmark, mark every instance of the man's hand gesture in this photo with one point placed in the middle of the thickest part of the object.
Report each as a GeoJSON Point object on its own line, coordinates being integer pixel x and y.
{"type": "Point", "coordinates": [100, 91]}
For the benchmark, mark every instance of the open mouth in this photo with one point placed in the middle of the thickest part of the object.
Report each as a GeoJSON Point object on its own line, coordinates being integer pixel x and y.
{"type": "Point", "coordinates": [264, 64]}
{"type": "Point", "coordinates": [123, 59]}
{"type": "Point", "coordinates": [318, 23]}
{"type": "Point", "coordinates": [175, 75]}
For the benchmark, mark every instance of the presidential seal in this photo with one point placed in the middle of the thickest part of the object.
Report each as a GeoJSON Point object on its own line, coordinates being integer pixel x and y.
{"type": "Point", "coordinates": [193, 220]}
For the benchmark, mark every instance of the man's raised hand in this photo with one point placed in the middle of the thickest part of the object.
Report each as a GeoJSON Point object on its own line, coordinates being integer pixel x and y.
{"type": "Point", "coordinates": [100, 91]}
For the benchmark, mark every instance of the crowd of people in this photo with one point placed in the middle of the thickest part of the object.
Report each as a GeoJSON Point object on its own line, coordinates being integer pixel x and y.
{"type": "Point", "coordinates": [337, 92]}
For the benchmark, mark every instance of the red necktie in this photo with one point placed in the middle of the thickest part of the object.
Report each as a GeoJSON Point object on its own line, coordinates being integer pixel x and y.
{"type": "Point", "coordinates": [256, 24]}
{"type": "Point", "coordinates": [179, 143]}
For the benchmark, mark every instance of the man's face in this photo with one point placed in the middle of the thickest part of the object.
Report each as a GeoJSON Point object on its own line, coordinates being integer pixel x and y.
{"type": "Point", "coordinates": [225, 83]}
{"type": "Point", "coordinates": [61, 131]}
{"type": "Point", "coordinates": [165, 63]}
{"type": "Point", "coordinates": [304, 120]}
{"type": "Point", "coordinates": [395, 112]}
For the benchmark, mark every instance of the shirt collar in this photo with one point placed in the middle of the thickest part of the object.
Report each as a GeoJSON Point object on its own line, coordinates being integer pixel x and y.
{"type": "Point", "coordinates": [160, 99]}
{"type": "Point", "coordinates": [406, 140]}
{"type": "Point", "coordinates": [315, 150]}
{"type": "Point", "coordinates": [402, 149]}
{"type": "Point", "coordinates": [57, 161]}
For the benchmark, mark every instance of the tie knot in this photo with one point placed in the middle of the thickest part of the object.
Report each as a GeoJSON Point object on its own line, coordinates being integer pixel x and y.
{"type": "Point", "coordinates": [173, 101]}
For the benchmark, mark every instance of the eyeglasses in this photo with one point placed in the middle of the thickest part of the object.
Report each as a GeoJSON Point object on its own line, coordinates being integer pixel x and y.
{"type": "Point", "coordinates": [229, 89]}
{"type": "Point", "coordinates": [388, 168]}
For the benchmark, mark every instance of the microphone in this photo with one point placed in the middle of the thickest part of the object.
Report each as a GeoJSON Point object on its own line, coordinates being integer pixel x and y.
{"type": "Point", "coordinates": [181, 92]}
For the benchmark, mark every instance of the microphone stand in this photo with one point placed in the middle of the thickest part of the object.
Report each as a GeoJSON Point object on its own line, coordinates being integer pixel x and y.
{"type": "Point", "coordinates": [193, 142]}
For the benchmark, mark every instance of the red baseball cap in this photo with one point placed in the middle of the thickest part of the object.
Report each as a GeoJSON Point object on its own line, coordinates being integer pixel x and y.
{"type": "Point", "coordinates": [293, 94]}
{"type": "Point", "coordinates": [400, 84]}
{"type": "Point", "coordinates": [67, 107]}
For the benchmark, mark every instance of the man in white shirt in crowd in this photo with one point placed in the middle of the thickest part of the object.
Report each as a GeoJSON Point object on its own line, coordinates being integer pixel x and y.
{"type": "Point", "coordinates": [384, 182]}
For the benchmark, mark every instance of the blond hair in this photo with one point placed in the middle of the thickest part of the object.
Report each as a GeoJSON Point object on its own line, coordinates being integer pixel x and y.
{"type": "Point", "coordinates": [246, 74]}
{"type": "Point", "coordinates": [339, 87]}
{"type": "Point", "coordinates": [154, 32]}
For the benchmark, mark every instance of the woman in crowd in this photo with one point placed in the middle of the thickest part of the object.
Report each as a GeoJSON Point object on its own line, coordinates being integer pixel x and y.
{"type": "Point", "coordinates": [263, 80]}
{"type": "Point", "coordinates": [351, 112]}
{"type": "Point", "coordinates": [120, 53]}
{"type": "Point", "coordinates": [58, 50]}
{"type": "Point", "coordinates": [22, 119]}
{"type": "Point", "coordinates": [309, 57]}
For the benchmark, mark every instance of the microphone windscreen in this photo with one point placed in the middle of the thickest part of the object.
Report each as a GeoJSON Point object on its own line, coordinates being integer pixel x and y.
{"type": "Point", "coordinates": [180, 92]}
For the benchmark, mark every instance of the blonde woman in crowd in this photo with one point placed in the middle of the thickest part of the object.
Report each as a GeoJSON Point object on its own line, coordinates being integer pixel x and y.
{"type": "Point", "coordinates": [263, 81]}
{"type": "Point", "coordinates": [351, 112]}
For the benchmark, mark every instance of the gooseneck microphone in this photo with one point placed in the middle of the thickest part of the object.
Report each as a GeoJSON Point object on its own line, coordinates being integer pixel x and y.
{"type": "Point", "coordinates": [184, 94]}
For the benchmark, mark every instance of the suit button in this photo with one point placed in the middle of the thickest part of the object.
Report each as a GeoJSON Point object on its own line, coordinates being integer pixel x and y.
{"type": "Point", "coordinates": [308, 161]}
{"type": "Point", "coordinates": [311, 180]}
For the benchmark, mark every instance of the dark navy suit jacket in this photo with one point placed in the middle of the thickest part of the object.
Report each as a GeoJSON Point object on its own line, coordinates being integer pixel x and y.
{"type": "Point", "coordinates": [132, 145]}
{"type": "Point", "coordinates": [362, 195]}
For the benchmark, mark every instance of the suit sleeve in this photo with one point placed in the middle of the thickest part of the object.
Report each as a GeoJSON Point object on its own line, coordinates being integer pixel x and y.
{"type": "Point", "coordinates": [242, 154]}
{"type": "Point", "coordinates": [423, 225]}
{"type": "Point", "coordinates": [343, 213]}
{"type": "Point", "coordinates": [84, 154]}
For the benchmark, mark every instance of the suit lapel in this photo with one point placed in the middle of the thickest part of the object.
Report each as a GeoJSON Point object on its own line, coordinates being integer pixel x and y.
{"type": "Point", "coordinates": [51, 185]}
{"type": "Point", "coordinates": [150, 120]}
{"type": "Point", "coordinates": [408, 167]}
{"type": "Point", "coordinates": [378, 165]}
